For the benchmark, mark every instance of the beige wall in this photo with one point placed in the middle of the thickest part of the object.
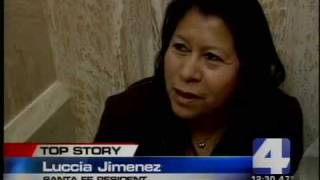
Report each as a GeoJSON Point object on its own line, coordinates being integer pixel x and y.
{"type": "Point", "coordinates": [28, 59]}
{"type": "Point", "coordinates": [32, 92]}
{"type": "Point", "coordinates": [100, 47]}
{"type": "Point", "coordinates": [294, 24]}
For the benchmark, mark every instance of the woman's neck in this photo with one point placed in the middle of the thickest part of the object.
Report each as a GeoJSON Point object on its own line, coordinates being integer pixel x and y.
{"type": "Point", "coordinates": [207, 125]}
{"type": "Point", "coordinates": [206, 132]}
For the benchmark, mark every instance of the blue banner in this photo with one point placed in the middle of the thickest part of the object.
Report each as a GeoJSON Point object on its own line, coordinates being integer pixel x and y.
{"type": "Point", "coordinates": [143, 165]}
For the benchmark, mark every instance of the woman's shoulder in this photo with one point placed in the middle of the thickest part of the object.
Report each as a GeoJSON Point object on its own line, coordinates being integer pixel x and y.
{"type": "Point", "coordinates": [141, 100]}
{"type": "Point", "coordinates": [127, 112]}
{"type": "Point", "coordinates": [286, 121]}
{"type": "Point", "coordinates": [284, 97]}
{"type": "Point", "coordinates": [138, 94]}
{"type": "Point", "coordinates": [143, 83]}
{"type": "Point", "coordinates": [283, 103]}
{"type": "Point", "coordinates": [274, 106]}
{"type": "Point", "coordinates": [278, 116]}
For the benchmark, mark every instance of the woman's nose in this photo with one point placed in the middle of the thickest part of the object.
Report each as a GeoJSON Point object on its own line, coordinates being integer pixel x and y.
{"type": "Point", "coordinates": [190, 70]}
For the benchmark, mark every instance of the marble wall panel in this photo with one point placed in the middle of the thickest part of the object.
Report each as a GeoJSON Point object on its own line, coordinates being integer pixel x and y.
{"type": "Point", "coordinates": [29, 67]}
{"type": "Point", "coordinates": [294, 25]}
{"type": "Point", "coordinates": [100, 47]}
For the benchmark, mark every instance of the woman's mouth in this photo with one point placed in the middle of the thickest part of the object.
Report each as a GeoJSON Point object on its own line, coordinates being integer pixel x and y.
{"type": "Point", "coordinates": [186, 95]}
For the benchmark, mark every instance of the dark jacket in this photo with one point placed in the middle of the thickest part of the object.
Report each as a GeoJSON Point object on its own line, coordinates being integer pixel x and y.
{"type": "Point", "coordinates": [142, 115]}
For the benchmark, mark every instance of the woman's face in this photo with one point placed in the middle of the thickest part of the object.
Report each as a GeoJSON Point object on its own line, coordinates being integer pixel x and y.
{"type": "Point", "coordinates": [201, 66]}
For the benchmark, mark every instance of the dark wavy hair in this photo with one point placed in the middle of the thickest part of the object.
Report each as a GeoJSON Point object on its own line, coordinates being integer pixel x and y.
{"type": "Point", "coordinates": [260, 67]}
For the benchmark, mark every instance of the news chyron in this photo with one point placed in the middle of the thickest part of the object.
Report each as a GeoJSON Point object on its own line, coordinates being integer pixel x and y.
{"type": "Point", "coordinates": [270, 161]}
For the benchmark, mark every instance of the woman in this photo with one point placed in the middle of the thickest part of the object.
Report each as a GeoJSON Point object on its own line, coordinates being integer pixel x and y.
{"type": "Point", "coordinates": [215, 87]}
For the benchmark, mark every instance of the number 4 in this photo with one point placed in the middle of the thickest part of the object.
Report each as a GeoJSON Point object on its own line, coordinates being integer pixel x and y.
{"type": "Point", "coordinates": [269, 155]}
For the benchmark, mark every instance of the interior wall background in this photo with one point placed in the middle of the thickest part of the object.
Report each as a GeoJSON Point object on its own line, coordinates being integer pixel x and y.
{"type": "Point", "coordinates": [295, 28]}
{"type": "Point", "coordinates": [26, 46]}
{"type": "Point", "coordinates": [99, 47]}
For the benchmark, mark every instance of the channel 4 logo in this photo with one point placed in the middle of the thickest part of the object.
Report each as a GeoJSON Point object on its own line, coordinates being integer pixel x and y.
{"type": "Point", "coordinates": [271, 156]}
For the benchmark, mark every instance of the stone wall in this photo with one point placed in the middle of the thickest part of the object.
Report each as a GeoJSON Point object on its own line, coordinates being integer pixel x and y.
{"type": "Point", "coordinates": [294, 25]}
{"type": "Point", "coordinates": [27, 45]}
{"type": "Point", "coordinates": [101, 47]}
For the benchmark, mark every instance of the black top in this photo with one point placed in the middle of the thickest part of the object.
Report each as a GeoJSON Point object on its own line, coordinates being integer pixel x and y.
{"type": "Point", "coordinates": [142, 115]}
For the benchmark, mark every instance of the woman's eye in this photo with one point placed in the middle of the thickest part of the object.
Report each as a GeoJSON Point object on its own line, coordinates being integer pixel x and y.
{"type": "Point", "coordinates": [181, 47]}
{"type": "Point", "coordinates": [212, 57]}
